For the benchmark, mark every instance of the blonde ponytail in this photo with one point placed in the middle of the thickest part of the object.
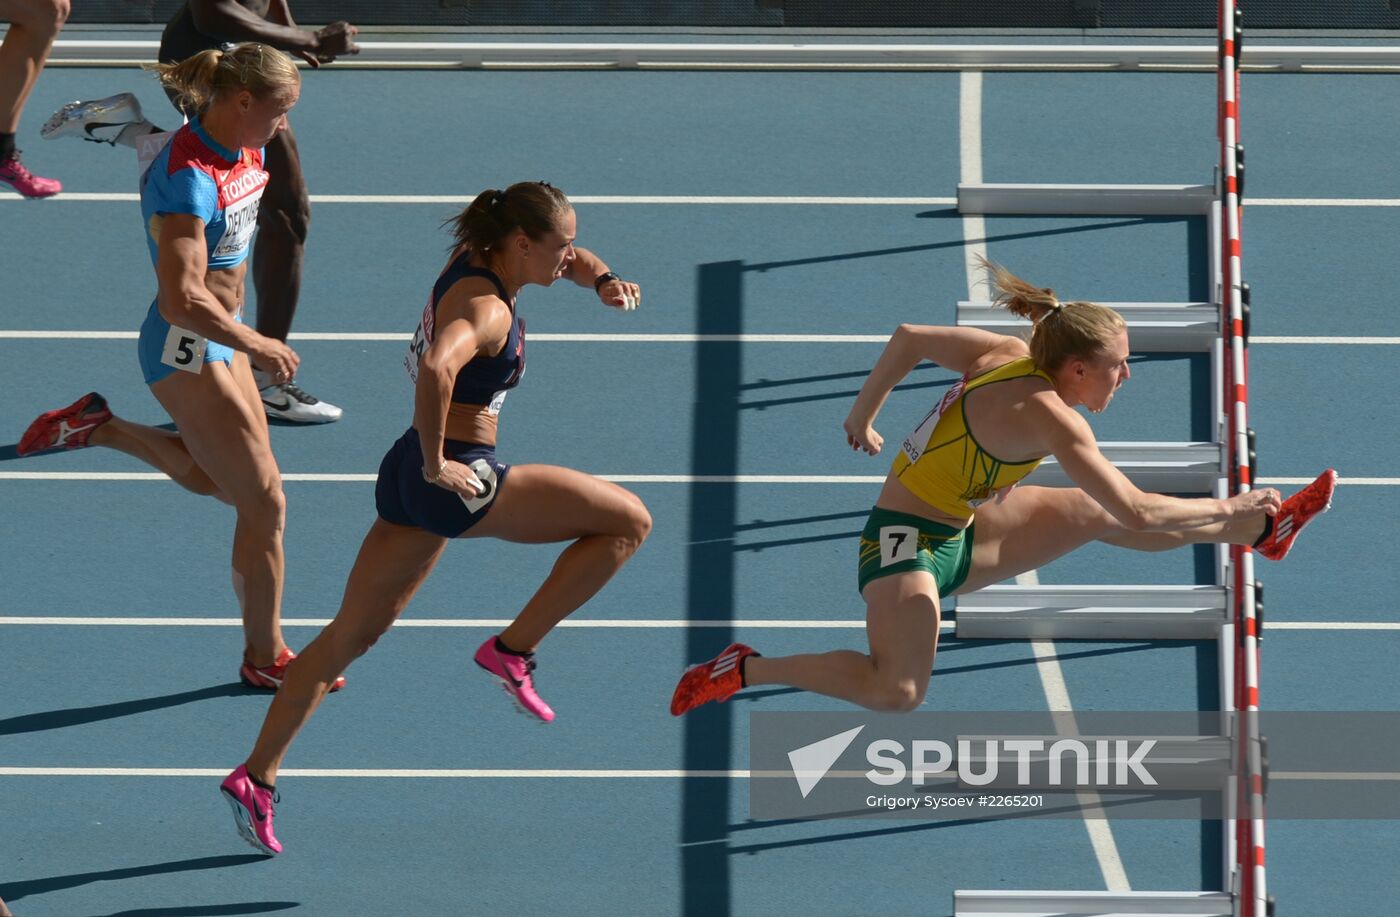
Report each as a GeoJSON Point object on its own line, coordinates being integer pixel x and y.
{"type": "Point", "coordinates": [1062, 330]}
{"type": "Point", "coordinates": [198, 80]}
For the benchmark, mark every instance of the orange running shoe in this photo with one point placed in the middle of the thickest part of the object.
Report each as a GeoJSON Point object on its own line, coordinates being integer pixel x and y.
{"type": "Point", "coordinates": [1296, 512]}
{"type": "Point", "coordinates": [269, 677]}
{"type": "Point", "coordinates": [715, 680]}
{"type": "Point", "coordinates": [67, 427]}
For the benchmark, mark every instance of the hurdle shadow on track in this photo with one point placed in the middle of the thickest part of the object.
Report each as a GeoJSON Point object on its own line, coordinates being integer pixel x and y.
{"type": "Point", "coordinates": [80, 716]}
{"type": "Point", "coordinates": [14, 891]}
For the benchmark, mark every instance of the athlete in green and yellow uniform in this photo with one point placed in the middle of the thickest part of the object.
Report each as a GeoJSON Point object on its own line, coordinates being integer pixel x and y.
{"type": "Point", "coordinates": [947, 520]}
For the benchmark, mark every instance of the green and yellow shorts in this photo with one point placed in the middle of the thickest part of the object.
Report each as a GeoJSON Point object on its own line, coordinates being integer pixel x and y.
{"type": "Point", "coordinates": [899, 543]}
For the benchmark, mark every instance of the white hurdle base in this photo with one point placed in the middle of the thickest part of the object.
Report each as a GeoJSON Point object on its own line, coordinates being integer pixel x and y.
{"type": "Point", "coordinates": [1153, 327]}
{"type": "Point", "coordinates": [1086, 200]}
{"type": "Point", "coordinates": [1090, 904]}
{"type": "Point", "coordinates": [1173, 468]}
{"type": "Point", "coordinates": [1092, 613]}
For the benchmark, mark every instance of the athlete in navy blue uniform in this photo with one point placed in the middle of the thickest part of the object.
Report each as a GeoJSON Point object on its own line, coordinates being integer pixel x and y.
{"type": "Point", "coordinates": [442, 479]}
{"type": "Point", "coordinates": [199, 203]}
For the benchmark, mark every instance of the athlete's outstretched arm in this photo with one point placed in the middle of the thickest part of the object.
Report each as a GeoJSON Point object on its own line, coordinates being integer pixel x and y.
{"type": "Point", "coordinates": [957, 349]}
{"type": "Point", "coordinates": [1071, 441]}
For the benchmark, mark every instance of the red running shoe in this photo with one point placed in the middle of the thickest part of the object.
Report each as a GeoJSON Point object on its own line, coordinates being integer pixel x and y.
{"type": "Point", "coordinates": [1296, 512]}
{"type": "Point", "coordinates": [715, 680]}
{"type": "Point", "coordinates": [68, 427]}
{"type": "Point", "coordinates": [269, 677]}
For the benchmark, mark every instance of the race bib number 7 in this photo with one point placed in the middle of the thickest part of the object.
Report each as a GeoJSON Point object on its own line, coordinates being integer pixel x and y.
{"type": "Point", "coordinates": [898, 543]}
{"type": "Point", "coordinates": [184, 350]}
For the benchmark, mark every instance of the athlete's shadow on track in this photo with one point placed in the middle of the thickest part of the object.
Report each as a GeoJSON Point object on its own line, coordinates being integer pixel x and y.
{"type": "Point", "coordinates": [14, 891]}
{"type": "Point", "coordinates": [79, 716]}
{"type": "Point", "coordinates": [10, 452]}
{"type": "Point", "coordinates": [208, 910]}
{"type": "Point", "coordinates": [948, 646]}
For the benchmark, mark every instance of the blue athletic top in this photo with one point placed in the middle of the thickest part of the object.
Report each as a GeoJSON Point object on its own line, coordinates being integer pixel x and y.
{"type": "Point", "coordinates": [483, 380]}
{"type": "Point", "coordinates": [195, 175]}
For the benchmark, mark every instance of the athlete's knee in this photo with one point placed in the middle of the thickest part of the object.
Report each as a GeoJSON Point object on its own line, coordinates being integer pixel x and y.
{"type": "Point", "coordinates": [638, 522]}
{"type": "Point", "coordinates": [351, 641]}
{"type": "Point", "coordinates": [46, 17]}
{"type": "Point", "coordinates": [896, 695]}
{"type": "Point", "coordinates": [263, 506]}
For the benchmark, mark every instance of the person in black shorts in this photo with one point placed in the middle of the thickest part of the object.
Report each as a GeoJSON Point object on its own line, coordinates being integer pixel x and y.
{"type": "Point", "coordinates": [285, 213]}
{"type": "Point", "coordinates": [441, 480]}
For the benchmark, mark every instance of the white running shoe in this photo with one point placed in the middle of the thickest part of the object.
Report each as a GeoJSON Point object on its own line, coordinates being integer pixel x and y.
{"type": "Point", "coordinates": [100, 121]}
{"type": "Point", "coordinates": [288, 402]}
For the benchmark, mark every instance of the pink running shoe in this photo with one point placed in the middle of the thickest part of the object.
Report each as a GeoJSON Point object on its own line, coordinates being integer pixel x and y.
{"type": "Point", "coordinates": [716, 680]}
{"type": "Point", "coordinates": [252, 810]}
{"type": "Point", "coordinates": [1297, 511]}
{"type": "Point", "coordinates": [68, 427]}
{"type": "Point", "coordinates": [516, 675]}
{"type": "Point", "coordinates": [269, 677]}
{"type": "Point", "coordinates": [13, 172]}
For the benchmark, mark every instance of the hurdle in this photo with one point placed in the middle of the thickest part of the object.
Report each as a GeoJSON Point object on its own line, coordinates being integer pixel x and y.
{"type": "Point", "coordinates": [1228, 610]}
{"type": "Point", "coordinates": [1153, 327]}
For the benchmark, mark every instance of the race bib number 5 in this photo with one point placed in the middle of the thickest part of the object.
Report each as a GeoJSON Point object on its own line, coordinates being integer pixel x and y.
{"type": "Point", "coordinates": [898, 543]}
{"type": "Point", "coordinates": [184, 350]}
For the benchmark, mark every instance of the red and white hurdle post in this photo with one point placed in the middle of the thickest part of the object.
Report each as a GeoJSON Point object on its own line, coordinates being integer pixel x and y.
{"type": "Point", "coordinates": [1251, 900]}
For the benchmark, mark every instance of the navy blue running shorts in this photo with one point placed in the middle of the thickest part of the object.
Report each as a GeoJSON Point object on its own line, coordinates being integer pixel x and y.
{"type": "Point", "coordinates": [402, 496]}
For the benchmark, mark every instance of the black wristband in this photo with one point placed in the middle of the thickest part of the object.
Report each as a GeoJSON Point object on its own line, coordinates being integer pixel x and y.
{"type": "Point", "coordinates": [604, 278]}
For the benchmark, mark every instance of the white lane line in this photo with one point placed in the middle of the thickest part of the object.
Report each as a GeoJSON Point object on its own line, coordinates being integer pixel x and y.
{"type": "Point", "coordinates": [369, 478]}
{"type": "Point", "coordinates": [1052, 681]}
{"type": "Point", "coordinates": [1266, 339]}
{"type": "Point", "coordinates": [620, 623]}
{"type": "Point", "coordinates": [644, 199]}
{"type": "Point", "coordinates": [1355, 482]}
{"type": "Point", "coordinates": [1322, 202]}
{"type": "Point", "coordinates": [975, 245]}
{"type": "Point", "coordinates": [325, 478]}
{"type": "Point", "coordinates": [1271, 625]}
{"type": "Point", "coordinates": [387, 773]}
{"type": "Point", "coordinates": [709, 199]}
{"type": "Point", "coordinates": [544, 337]}
{"type": "Point", "coordinates": [615, 623]}
{"type": "Point", "coordinates": [974, 226]}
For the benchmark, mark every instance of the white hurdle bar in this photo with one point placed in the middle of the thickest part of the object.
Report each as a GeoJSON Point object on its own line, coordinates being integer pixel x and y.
{"type": "Point", "coordinates": [1090, 904]}
{"type": "Point", "coordinates": [804, 54]}
{"type": "Point", "coordinates": [1153, 327]}
{"type": "Point", "coordinates": [1092, 613]}
{"type": "Point", "coordinates": [1085, 200]}
{"type": "Point", "coordinates": [1166, 467]}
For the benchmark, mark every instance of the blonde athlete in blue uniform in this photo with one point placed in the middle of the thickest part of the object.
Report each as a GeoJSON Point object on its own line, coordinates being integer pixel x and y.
{"type": "Point", "coordinates": [199, 203]}
{"type": "Point", "coordinates": [950, 518]}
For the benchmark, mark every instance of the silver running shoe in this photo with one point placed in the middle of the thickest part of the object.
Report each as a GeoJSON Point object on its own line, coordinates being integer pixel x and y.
{"type": "Point", "coordinates": [288, 402]}
{"type": "Point", "coordinates": [100, 121]}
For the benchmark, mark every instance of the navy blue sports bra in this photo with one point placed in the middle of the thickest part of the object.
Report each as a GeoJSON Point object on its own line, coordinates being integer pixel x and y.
{"type": "Point", "coordinates": [484, 380]}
